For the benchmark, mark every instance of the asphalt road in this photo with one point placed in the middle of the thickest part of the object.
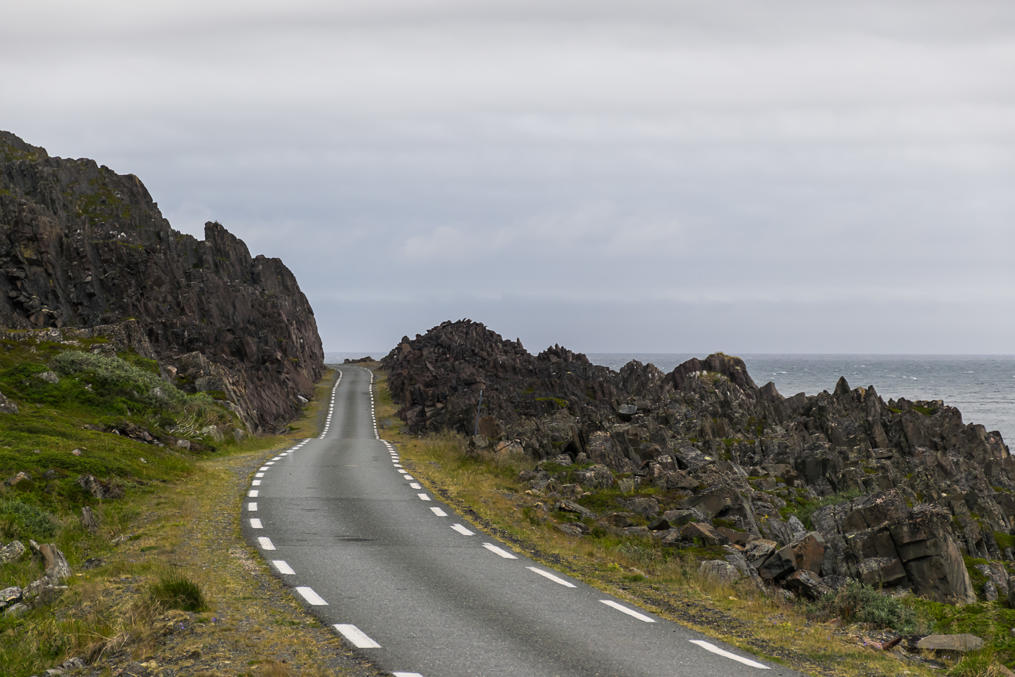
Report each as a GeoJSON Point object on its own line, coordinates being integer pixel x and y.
{"type": "Point", "coordinates": [421, 592]}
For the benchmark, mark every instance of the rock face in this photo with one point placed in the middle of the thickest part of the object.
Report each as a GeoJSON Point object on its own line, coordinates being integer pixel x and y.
{"type": "Point", "coordinates": [82, 246]}
{"type": "Point", "coordinates": [894, 493]}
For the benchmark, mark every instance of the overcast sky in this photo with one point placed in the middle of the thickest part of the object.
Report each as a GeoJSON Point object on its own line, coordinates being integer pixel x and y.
{"type": "Point", "coordinates": [613, 176]}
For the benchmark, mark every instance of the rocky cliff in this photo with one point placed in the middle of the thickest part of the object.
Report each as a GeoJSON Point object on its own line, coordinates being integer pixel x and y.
{"type": "Point", "coordinates": [81, 246]}
{"type": "Point", "coordinates": [802, 491]}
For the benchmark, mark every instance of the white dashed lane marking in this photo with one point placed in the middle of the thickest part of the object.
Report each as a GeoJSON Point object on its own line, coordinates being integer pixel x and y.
{"type": "Point", "coordinates": [312, 597]}
{"type": "Point", "coordinates": [356, 637]}
{"type": "Point", "coordinates": [282, 567]}
{"type": "Point", "coordinates": [423, 497]}
{"type": "Point", "coordinates": [546, 574]}
{"type": "Point", "coordinates": [630, 612]}
{"type": "Point", "coordinates": [707, 646]}
{"type": "Point", "coordinates": [331, 408]}
{"type": "Point", "coordinates": [252, 493]}
{"type": "Point", "coordinates": [252, 506]}
{"type": "Point", "coordinates": [265, 543]}
{"type": "Point", "coordinates": [415, 485]}
{"type": "Point", "coordinates": [501, 552]}
{"type": "Point", "coordinates": [437, 511]}
{"type": "Point", "coordinates": [462, 530]}
{"type": "Point", "coordinates": [255, 523]}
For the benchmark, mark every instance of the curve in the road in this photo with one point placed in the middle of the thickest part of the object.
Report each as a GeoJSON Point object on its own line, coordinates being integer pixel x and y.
{"type": "Point", "coordinates": [416, 587]}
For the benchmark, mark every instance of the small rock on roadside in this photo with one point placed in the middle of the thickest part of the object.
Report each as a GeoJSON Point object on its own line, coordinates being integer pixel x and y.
{"type": "Point", "coordinates": [19, 477]}
{"type": "Point", "coordinates": [16, 609]}
{"type": "Point", "coordinates": [961, 643]}
{"type": "Point", "coordinates": [572, 528]}
{"type": "Point", "coordinates": [12, 551]}
{"type": "Point", "coordinates": [6, 406]}
{"type": "Point", "coordinates": [578, 509]}
{"type": "Point", "coordinates": [719, 570]}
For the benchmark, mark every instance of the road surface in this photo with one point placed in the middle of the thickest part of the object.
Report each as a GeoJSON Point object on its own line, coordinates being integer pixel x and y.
{"type": "Point", "coordinates": [422, 592]}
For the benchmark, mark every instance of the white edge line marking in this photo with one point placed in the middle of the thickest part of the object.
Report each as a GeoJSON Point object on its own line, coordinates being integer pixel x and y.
{"type": "Point", "coordinates": [406, 674]}
{"type": "Point", "coordinates": [356, 637]}
{"type": "Point", "coordinates": [265, 543]}
{"type": "Point", "coordinates": [255, 523]}
{"type": "Point", "coordinates": [423, 497]}
{"type": "Point", "coordinates": [312, 597]}
{"type": "Point", "coordinates": [707, 646]}
{"type": "Point", "coordinates": [437, 511]}
{"type": "Point", "coordinates": [630, 612]}
{"type": "Point", "coordinates": [252, 493]}
{"type": "Point", "coordinates": [252, 506]}
{"type": "Point", "coordinates": [462, 530]}
{"type": "Point", "coordinates": [499, 551]}
{"type": "Point", "coordinates": [282, 567]}
{"type": "Point", "coordinates": [552, 577]}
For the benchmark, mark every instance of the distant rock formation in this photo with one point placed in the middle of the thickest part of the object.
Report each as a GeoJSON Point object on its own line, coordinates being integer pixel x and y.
{"type": "Point", "coordinates": [894, 492]}
{"type": "Point", "coordinates": [81, 246]}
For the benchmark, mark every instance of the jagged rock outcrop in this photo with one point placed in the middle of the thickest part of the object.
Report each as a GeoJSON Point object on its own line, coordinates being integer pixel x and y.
{"type": "Point", "coordinates": [895, 492]}
{"type": "Point", "coordinates": [82, 246]}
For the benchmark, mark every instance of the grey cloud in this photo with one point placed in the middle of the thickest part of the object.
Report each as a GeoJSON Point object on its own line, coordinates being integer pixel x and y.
{"type": "Point", "coordinates": [617, 176]}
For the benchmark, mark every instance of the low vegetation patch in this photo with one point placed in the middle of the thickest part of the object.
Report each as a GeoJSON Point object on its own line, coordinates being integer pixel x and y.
{"type": "Point", "coordinates": [859, 603]}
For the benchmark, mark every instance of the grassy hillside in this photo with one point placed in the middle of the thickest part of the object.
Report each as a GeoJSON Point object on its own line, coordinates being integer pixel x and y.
{"type": "Point", "coordinates": [82, 413]}
{"type": "Point", "coordinates": [166, 578]}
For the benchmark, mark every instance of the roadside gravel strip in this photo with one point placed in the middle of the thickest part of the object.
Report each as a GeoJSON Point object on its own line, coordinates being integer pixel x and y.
{"type": "Point", "coordinates": [420, 591]}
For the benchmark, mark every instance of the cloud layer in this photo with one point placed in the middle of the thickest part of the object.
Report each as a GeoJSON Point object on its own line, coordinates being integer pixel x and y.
{"type": "Point", "coordinates": [653, 176]}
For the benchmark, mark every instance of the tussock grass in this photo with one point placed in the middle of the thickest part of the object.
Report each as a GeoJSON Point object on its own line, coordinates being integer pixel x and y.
{"type": "Point", "coordinates": [175, 591]}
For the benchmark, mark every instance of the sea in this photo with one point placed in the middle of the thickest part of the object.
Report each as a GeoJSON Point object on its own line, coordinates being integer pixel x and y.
{"type": "Point", "coordinates": [982, 387]}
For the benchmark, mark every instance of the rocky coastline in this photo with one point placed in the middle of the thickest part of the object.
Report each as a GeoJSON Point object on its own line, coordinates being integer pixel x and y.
{"type": "Point", "coordinates": [803, 494]}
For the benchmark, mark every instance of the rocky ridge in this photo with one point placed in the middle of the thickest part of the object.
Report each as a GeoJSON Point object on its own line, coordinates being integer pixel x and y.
{"type": "Point", "coordinates": [801, 492]}
{"type": "Point", "coordinates": [82, 246]}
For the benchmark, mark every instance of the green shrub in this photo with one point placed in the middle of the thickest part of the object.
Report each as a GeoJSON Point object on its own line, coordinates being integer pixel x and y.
{"type": "Point", "coordinates": [859, 603]}
{"type": "Point", "coordinates": [113, 377]}
{"type": "Point", "coordinates": [23, 520]}
{"type": "Point", "coordinates": [176, 591]}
